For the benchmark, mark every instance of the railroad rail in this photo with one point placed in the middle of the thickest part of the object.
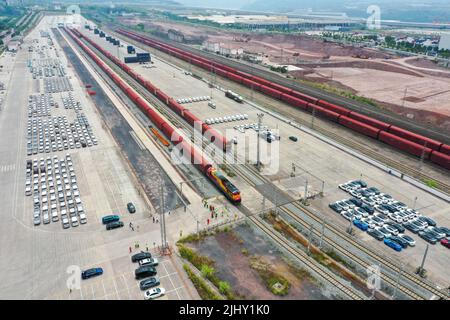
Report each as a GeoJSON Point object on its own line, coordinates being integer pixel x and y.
{"type": "Point", "coordinates": [415, 173]}
{"type": "Point", "coordinates": [333, 98]}
{"type": "Point", "coordinates": [284, 243]}
{"type": "Point", "coordinates": [170, 114]}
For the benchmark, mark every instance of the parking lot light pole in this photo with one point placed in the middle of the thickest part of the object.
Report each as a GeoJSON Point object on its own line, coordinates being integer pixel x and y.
{"type": "Point", "coordinates": [421, 270]}
{"type": "Point", "coordinates": [258, 162]}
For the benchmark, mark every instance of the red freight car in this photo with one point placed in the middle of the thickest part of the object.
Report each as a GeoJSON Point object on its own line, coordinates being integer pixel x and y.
{"type": "Point", "coordinates": [294, 101]}
{"type": "Point", "coordinates": [333, 107]}
{"type": "Point", "coordinates": [302, 96]}
{"type": "Point", "coordinates": [445, 149]}
{"type": "Point", "coordinates": [370, 121]}
{"type": "Point", "coordinates": [405, 145]}
{"type": "Point", "coordinates": [271, 92]}
{"type": "Point", "coordinates": [322, 112]}
{"type": "Point", "coordinates": [234, 77]}
{"type": "Point", "coordinates": [175, 106]}
{"type": "Point", "coordinates": [440, 159]}
{"type": "Point", "coordinates": [251, 84]}
{"type": "Point", "coordinates": [359, 127]}
{"type": "Point", "coordinates": [417, 138]}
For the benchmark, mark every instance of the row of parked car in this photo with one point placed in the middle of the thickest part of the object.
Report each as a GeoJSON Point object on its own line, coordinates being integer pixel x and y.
{"type": "Point", "coordinates": [57, 84]}
{"type": "Point", "coordinates": [193, 99]}
{"type": "Point", "coordinates": [39, 105]}
{"type": "Point", "coordinates": [53, 184]}
{"type": "Point", "coordinates": [386, 219]}
{"type": "Point", "coordinates": [237, 117]}
{"type": "Point", "coordinates": [146, 272]}
{"type": "Point", "coordinates": [57, 134]}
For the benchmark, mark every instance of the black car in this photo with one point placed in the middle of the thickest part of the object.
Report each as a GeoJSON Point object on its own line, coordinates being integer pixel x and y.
{"type": "Point", "coordinates": [444, 230]}
{"type": "Point", "coordinates": [367, 208]}
{"type": "Point", "coordinates": [149, 283]}
{"type": "Point", "coordinates": [430, 221]}
{"type": "Point", "coordinates": [335, 207]}
{"type": "Point", "coordinates": [427, 237]}
{"type": "Point", "coordinates": [293, 138]}
{"type": "Point", "coordinates": [397, 226]}
{"type": "Point", "coordinates": [131, 208]}
{"type": "Point", "coordinates": [376, 234]}
{"type": "Point", "coordinates": [411, 227]}
{"type": "Point", "coordinates": [362, 183]}
{"type": "Point", "coordinates": [373, 190]}
{"type": "Point", "coordinates": [89, 273]}
{"type": "Point", "coordinates": [114, 225]}
{"type": "Point", "coordinates": [355, 201]}
{"type": "Point", "coordinates": [144, 272]}
{"type": "Point", "coordinates": [141, 256]}
{"type": "Point", "coordinates": [400, 241]}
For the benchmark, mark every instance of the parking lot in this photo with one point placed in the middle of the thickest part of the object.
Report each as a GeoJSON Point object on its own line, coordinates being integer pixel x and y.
{"type": "Point", "coordinates": [122, 285]}
{"type": "Point", "coordinates": [385, 218]}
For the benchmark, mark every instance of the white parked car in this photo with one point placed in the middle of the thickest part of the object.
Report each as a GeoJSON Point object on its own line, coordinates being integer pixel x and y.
{"type": "Point", "coordinates": [154, 293]}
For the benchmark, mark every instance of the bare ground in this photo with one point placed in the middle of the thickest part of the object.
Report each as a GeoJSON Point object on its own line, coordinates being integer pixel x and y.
{"type": "Point", "coordinates": [233, 265]}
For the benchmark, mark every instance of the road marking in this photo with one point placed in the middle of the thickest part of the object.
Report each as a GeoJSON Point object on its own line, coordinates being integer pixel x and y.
{"type": "Point", "coordinates": [126, 285]}
{"type": "Point", "coordinates": [170, 279]}
{"type": "Point", "coordinates": [7, 167]}
{"type": "Point", "coordinates": [93, 294]}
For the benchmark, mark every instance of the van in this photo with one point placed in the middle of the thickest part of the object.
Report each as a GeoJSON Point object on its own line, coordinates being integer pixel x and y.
{"type": "Point", "coordinates": [144, 272]}
{"type": "Point", "coordinates": [110, 218]}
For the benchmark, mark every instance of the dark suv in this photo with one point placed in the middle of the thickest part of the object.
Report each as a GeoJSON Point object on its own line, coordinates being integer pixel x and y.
{"type": "Point", "coordinates": [144, 272]}
{"type": "Point", "coordinates": [140, 256]}
{"type": "Point", "coordinates": [114, 225]}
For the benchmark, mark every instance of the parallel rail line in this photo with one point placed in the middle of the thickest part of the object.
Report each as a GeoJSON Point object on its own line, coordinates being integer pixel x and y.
{"type": "Point", "coordinates": [287, 245]}
{"type": "Point", "coordinates": [440, 185]}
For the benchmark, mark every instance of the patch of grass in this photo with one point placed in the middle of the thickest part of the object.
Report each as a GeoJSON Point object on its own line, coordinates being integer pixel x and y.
{"type": "Point", "coordinates": [274, 282]}
{"type": "Point", "coordinates": [336, 257]}
{"type": "Point", "coordinates": [340, 92]}
{"type": "Point", "coordinates": [430, 183]}
{"type": "Point", "coordinates": [244, 251]}
{"type": "Point", "coordinates": [205, 291]}
{"type": "Point", "coordinates": [205, 265]}
{"type": "Point", "coordinates": [193, 257]}
{"type": "Point", "coordinates": [193, 237]}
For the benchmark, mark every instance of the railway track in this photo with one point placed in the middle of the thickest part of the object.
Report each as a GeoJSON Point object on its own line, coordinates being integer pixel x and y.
{"type": "Point", "coordinates": [417, 174]}
{"type": "Point", "coordinates": [304, 88]}
{"type": "Point", "coordinates": [252, 173]}
{"type": "Point", "coordinates": [284, 243]}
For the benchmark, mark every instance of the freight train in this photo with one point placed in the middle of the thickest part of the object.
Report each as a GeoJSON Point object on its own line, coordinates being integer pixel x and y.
{"type": "Point", "coordinates": [404, 140]}
{"type": "Point", "coordinates": [195, 157]}
{"type": "Point", "coordinates": [212, 134]}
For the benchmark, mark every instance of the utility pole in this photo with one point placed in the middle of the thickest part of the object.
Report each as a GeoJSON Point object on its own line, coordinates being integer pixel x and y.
{"type": "Point", "coordinates": [323, 232]}
{"type": "Point", "coordinates": [310, 238]}
{"type": "Point", "coordinates": [305, 197]}
{"type": "Point", "coordinates": [313, 116]}
{"type": "Point", "coordinates": [422, 156]}
{"type": "Point", "coordinates": [258, 162]}
{"type": "Point", "coordinates": [404, 96]}
{"type": "Point", "coordinates": [421, 270]}
{"type": "Point", "coordinates": [164, 246]}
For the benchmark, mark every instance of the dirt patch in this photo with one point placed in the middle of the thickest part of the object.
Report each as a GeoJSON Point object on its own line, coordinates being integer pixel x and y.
{"type": "Point", "coordinates": [233, 264]}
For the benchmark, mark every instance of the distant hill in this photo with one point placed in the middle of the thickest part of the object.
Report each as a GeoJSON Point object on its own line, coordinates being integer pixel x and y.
{"type": "Point", "coordinates": [404, 10]}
